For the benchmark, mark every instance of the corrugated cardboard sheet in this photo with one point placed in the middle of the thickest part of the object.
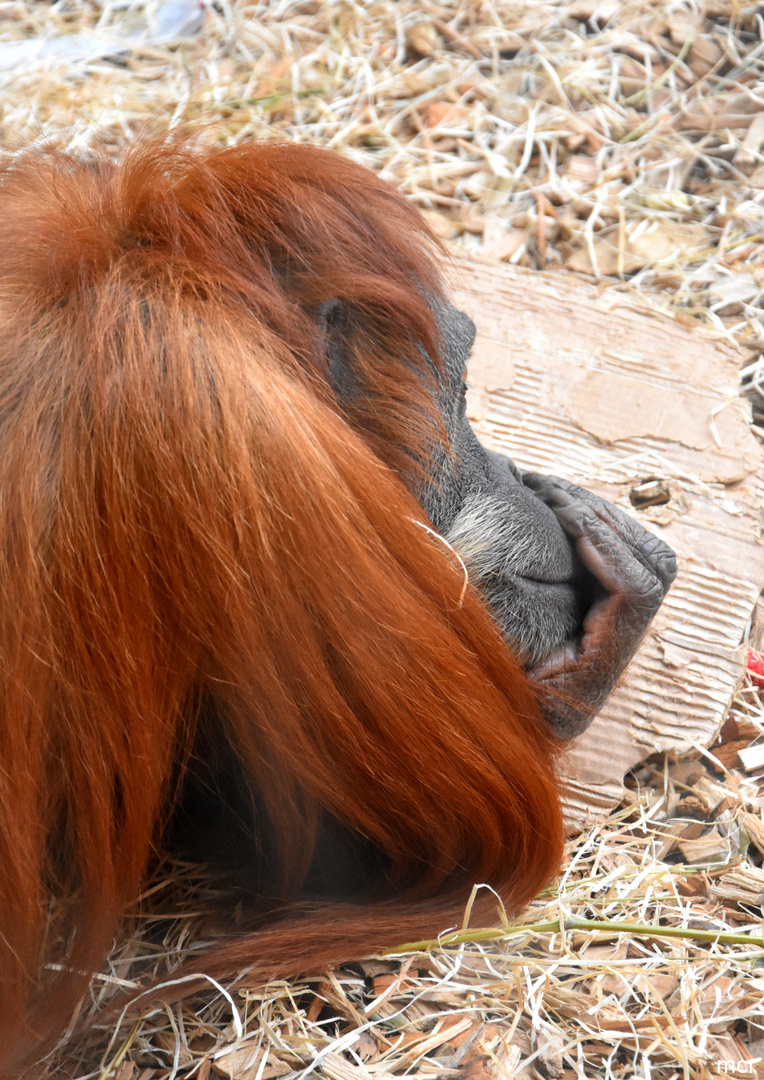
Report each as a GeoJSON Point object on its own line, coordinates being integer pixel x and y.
{"type": "Point", "coordinates": [595, 388]}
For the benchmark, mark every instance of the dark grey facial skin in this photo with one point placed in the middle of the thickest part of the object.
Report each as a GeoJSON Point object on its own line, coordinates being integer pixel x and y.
{"type": "Point", "coordinates": [572, 581]}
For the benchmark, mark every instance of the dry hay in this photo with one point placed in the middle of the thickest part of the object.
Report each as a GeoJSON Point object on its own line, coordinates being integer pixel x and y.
{"type": "Point", "coordinates": [618, 140]}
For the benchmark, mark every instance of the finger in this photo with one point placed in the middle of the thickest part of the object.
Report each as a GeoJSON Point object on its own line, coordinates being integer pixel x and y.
{"type": "Point", "coordinates": [651, 550]}
{"type": "Point", "coordinates": [613, 562]}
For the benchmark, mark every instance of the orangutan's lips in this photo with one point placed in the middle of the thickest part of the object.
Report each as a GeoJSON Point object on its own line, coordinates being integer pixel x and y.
{"type": "Point", "coordinates": [596, 626]}
{"type": "Point", "coordinates": [561, 659]}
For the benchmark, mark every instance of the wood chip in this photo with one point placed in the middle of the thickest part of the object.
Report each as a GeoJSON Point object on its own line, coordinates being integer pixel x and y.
{"type": "Point", "coordinates": [728, 752]}
{"type": "Point", "coordinates": [445, 114]}
{"type": "Point", "coordinates": [706, 848]}
{"type": "Point", "coordinates": [246, 1063]}
{"type": "Point", "coordinates": [744, 885]}
{"type": "Point", "coordinates": [714, 114]}
{"type": "Point", "coordinates": [337, 1067]}
{"type": "Point", "coordinates": [752, 758]}
{"type": "Point", "coordinates": [676, 831]}
{"type": "Point", "coordinates": [504, 247]}
{"type": "Point", "coordinates": [750, 148]}
{"type": "Point", "coordinates": [754, 826]}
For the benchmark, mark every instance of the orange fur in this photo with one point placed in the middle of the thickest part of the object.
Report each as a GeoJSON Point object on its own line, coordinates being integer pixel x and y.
{"type": "Point", "coordinates": [187, 513]}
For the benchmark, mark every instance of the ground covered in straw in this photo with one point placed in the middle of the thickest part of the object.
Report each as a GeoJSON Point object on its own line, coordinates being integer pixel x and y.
{"type": "Point", "coordinates": [617, 140]}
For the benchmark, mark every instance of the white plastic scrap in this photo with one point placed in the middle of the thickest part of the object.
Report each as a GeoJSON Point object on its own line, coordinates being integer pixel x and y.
{"type": "Point", "coordinates": [168, 22]}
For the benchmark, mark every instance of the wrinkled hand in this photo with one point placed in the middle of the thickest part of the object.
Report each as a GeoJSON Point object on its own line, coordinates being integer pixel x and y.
{"type": "Point", "coordinates": [633, 570]}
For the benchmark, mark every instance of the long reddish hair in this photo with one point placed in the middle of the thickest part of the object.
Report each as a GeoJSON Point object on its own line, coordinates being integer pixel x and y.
{"type": "Point", "coordinates": [190, 512]}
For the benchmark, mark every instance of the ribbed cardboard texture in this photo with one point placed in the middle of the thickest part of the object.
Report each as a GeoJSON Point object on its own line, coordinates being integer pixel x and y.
{"type": "Point", "coordinates": [601, 389]}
